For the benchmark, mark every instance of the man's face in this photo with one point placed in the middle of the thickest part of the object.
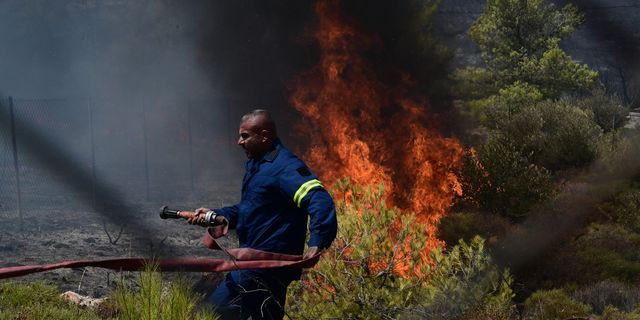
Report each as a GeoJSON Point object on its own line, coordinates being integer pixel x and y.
{"type": "Point", "coordinates": [253, 143]}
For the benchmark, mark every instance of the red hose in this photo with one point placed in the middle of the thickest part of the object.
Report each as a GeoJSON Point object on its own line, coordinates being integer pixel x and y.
{"type": "Point", "coordinates": [242, 258]}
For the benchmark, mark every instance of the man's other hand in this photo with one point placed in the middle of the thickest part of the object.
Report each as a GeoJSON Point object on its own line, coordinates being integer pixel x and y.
{"type": "Point", "coordinates": [220, 220]}
{"type": "Point", "coordinates": [311, 251]}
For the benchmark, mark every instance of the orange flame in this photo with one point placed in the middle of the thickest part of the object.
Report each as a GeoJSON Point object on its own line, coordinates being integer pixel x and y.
{"type": "Point", "coordinates": [371, 131]}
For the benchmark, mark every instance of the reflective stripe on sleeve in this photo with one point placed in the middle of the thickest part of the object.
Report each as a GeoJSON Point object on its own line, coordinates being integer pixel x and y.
{"type": "Point", "coordinates": [304, 189]}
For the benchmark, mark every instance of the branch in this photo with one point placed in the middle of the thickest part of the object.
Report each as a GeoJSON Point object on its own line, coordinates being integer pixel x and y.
{"type": "Point", "coordinates": [346, 245]}
{"type": "Point", "coordinates": [81, 278]}
{"type": "Point", "coordinates": [391, 263]}
{"type": "Point", "coordinates": [112, 240]}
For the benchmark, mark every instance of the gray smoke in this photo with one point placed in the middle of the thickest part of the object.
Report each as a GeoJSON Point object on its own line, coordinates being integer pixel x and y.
{"type": "Point", "coordinates": [123, 106]}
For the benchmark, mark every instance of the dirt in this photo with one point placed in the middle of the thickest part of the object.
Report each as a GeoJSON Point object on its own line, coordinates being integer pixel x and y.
{"type": "Point", "coordinates": [79, 235]}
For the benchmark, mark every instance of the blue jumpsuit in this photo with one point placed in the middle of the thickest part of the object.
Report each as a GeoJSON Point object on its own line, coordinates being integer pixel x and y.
{"type": "Point", "coordinates": [279, 194]}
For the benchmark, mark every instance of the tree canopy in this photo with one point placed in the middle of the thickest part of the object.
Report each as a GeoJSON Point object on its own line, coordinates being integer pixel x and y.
{"type": "Point", "coordinates": [521, 100]}
{"type": "Point", "coordinates": [520, 45]}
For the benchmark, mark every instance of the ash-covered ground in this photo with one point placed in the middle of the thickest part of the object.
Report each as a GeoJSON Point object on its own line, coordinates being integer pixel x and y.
{"type": "Point", "coordinates": [62, 235]}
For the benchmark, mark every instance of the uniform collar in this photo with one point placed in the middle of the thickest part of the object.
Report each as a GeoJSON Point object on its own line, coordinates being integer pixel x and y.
{"type": "Point", "coordinates": [271, 155]}
{"type": "Point", "coordinates": [252, 166]}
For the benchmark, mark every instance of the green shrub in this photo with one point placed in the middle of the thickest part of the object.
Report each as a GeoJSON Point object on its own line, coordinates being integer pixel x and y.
{"type": "Point", "coordinates": [618, 153]}
{"type": "Point", "coordinates": [553, 305]}
{"type": "Point", "coordinates": [627, 209]}
{"type": "Point", "coordinates": [467, 224]}
{"type": "Point", "coordinates": [151, 302]}
{"type": "Point", "coordinates": [509, 101]}
{"type": "Point", "coordinates": [609, 251]}
{"type": "Point", "coordinates": [556, 135]}
{"type": "Point", "coordinates": [610, 113]}
{"type": "Point", "coordinates": [511, 172]}
{"type": "Point", "coordinates": [465, 283]}
{"type": "Point", "coordinates": [379, 267]}
{"type": "Point", "coordinates": [609, 293]}
{"type": "Point", "coordinates": [566, 137]}
{"type": "Point", "coordinates": [499, 179]}
{"type": "Point", "coordinates": [38, 300]}
{"type": "Point", "coordinates": [612, 313]}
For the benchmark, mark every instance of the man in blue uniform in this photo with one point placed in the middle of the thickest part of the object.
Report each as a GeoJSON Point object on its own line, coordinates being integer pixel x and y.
{"type": "Point", "coordinates": [279, 195]}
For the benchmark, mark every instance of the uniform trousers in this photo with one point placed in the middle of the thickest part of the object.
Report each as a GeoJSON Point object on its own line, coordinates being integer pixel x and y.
{"type": "Point", "coordinates": [258, 293]}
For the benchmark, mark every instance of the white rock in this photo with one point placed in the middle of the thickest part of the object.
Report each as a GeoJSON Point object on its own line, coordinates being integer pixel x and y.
{"type": "Point", "coordinates": [83, 301]}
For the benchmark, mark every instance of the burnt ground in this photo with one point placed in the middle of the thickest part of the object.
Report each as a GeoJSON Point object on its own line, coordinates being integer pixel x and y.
{"type": "Point", "coordinates": [78, 235]}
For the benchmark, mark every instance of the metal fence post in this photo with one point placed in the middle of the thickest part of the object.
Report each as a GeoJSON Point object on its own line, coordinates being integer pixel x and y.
{"type": "Point", "coordinates": [230, 137]}
{"type": "Point", "coordinates": [146, 152]}
{"type": "Point", "coordinates": [14, 146]}
{"type": "Point", "coordinates": [93, 154]}
{"type": "Point", "coordinates": [189, 125]}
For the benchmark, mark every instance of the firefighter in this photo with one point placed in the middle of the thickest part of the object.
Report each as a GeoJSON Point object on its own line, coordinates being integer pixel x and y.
{"type": "Point", "coordinates": [279, 196]}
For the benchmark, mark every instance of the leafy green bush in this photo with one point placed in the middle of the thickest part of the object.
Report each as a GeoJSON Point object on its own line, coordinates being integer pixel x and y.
{"type": "Point", "coordinates": [38, 300]}
{"type": "Point", "coordinates": [612, 313]}
{"type": "Point", "coordinates": [379, 267]}
{"type": "Point", "coordinates": [609, 293]}
{"type": "Point", "coordinates": [553, 305]}
{"type": "Point", "coordinates": [499, 179]}
{"type": "Point", "coordinates": [566, 138]}
{"type": "Point", "coordinates": [624, 208]}
{"type": "Point", "coordinates": [618, 153]}
{"type": "Point", "coordinates": [467, 224]}
{"type": "Point", "coordinates": [501, 108]}
{"type": "Point", "coordinates": [555, 135]}
{"type": "Point", "coordinates": [511, 172]}
{"type": "Point", "coordinates": [465, 283]}
{"type": "Point", "coordinates": [610, 113]}
{"type": "Point", "coordinates": [609, 251]}
{"type": "Point", "coordinates": [606, 243]}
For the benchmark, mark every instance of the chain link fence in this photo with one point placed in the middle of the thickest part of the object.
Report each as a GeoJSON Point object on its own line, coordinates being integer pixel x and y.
{"type": "Point", "coordinates": [83, 154]}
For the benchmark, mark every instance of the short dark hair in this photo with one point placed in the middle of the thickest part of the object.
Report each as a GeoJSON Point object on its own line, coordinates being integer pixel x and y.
{"type": "Point", "coordinates": [267, 122]}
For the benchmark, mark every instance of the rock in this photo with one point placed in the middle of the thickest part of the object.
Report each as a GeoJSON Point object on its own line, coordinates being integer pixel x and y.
{"type": "Point", "coordinates": [61, 246]}
{"type": "Point", "coordinates": [83, 301]}
{"type": "Point", "coordinates": [634, 119]}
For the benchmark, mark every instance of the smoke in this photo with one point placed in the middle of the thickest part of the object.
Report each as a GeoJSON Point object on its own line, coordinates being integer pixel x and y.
{"type": "Point", "coordinates": [527, 247]}
{"type": "Point", "coordinates": [95, 48]}
{"type": "Point", "coordinates": [243, 51]}
{"type": "Point", "coordinates": [151, 90]}
{"type": "Point", "coordinates": [610, 43]}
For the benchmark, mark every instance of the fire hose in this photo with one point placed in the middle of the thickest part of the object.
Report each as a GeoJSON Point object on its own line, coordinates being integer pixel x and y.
{"type": "Point", "coordinates": [241, 258]}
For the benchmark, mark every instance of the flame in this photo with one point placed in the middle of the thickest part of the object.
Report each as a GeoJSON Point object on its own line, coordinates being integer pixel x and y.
{"type": "Point", "coordinates": [371, 131]}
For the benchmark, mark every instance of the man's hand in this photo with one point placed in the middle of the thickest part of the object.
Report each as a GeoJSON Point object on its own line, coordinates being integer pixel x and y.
{"type": "Point", "coordinates": [311, 251]}
{"type": "Point", "coordinates": [198, 216]}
